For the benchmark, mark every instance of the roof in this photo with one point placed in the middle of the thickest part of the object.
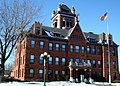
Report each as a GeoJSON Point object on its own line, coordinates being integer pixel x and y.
{"type": "Point", "coordinates": [92, 35]}
{"type": "Point", "coordinates": [65, 9]}
{"type": "Point", "coordinates": [56, 30]}
{"type": "Point", "coordinates": [65, 34]}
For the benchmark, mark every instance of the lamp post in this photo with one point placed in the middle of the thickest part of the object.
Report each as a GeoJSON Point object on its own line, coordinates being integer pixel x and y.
{"type": "Point", "coordinates": [45, 55]}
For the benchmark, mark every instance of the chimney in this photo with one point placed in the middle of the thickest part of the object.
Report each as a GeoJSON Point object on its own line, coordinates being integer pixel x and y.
{"type": "Point", "coordinates": [34, 27]}
{"type": "Point", "coordinates": [41, 28]}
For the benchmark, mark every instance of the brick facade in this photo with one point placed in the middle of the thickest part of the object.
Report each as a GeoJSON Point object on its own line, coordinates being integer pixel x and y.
{"type": "Point", "coordinates": [62, 48]}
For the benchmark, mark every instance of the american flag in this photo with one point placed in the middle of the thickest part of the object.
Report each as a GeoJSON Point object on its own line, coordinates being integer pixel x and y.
{"type": "Point", "coordinates": [104, 17]}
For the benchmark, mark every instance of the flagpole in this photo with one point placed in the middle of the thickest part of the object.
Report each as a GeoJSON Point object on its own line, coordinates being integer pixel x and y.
{"type": "Point", "coordinates": [108, 51]}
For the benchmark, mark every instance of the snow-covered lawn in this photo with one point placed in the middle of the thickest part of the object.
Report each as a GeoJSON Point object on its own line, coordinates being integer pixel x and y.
{"type": "Point", "coordinates": [61, 83]}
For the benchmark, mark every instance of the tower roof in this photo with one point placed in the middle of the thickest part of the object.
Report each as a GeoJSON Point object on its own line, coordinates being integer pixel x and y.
{"type": "Point", "coordinates": [65, 9]}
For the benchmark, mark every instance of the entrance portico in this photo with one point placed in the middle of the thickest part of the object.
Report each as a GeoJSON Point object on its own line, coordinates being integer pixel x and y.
{"type": "Point", "coordinates": [79, 72]}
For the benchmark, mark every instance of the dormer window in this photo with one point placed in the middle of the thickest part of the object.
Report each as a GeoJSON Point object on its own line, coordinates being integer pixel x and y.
{"type": "Point", "coordinates": [91, 40]}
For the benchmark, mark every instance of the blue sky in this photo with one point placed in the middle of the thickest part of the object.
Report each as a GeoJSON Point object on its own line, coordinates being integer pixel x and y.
{"type": "Point", "coordinates": [90, 12]}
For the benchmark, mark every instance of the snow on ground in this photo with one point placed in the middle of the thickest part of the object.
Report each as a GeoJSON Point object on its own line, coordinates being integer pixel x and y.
{"type": "Point", "coordinates": [61, 83]}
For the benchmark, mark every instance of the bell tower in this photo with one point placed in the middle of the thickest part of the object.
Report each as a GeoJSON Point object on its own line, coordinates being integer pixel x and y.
{"type": "Point", "coordinates": [64, 17]}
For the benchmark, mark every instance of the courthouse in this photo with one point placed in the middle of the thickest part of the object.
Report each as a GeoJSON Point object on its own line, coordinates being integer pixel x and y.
{"type": "Point", "coordinates": [73, 53]}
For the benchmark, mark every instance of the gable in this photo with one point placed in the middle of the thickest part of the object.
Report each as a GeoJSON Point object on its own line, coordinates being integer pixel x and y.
{"type": "Point", "coordinates": [76, 34]}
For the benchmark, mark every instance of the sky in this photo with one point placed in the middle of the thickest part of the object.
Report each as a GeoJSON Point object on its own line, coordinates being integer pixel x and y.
{"type": "Point", "coordinates": [89, 15]}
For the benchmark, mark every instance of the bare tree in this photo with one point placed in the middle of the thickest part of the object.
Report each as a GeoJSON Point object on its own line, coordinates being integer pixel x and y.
{"type": "Point", "coordinates": [15, 15]}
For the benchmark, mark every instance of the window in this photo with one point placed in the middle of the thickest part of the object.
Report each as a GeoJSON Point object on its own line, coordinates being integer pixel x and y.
{"type": "Point", "coordinates": [88, 61]}
{"type": "Point", "coordinates": [99, 64]}
{"type": "Point", "coordinates": [83, 49]}
{"type": "Point", "coordinates": [56, 74]}
{"type": "Point", "coordinates": [50, 60]}
{"type": "Point", "coordinates": [41, 60]}
{"type": "Point", "coordinates": [88, 49]}
{"type": "Point", "coordinates": [50, 46]}
{"type": "Point", "coordinates": [67, 23]}
{"type": "Point", "coordinates": [94, 63]}
{"type": "Point", "coordinates": [31, 72]}
{"type": "Point", "coordinates": [57, 47]}
{"type": "Point", "coordinates": [63, 61]}
{"type": "Point", "coordinates": [71, 48]}
{"type": "Point", "coordinates": [55, 24]}
{"type": "Point", "coordinates": [114, 75]}
{"type": "Point", "coordinates": [63, 47]}
{"type": "Point", "coordinates": [106, 50]}
{"type": "Point", "coordinates": [113, 51]}
{"type": "Point", "coordinates": [83, 60]}
{"type": "Point", "coordinates": [32, 59]}
{"type": "Point", "coordinates": [63, 73]}
{"type": "Point", "coordinates": [99, 50]}
{"type": "Point", "coordinates": [50, 74]}
{"type": "Point", "coordinates": [114, 64]}
{"type": "Point", "coordinates": [77, 49]}
{"type": "Point", "coordinates": [71, 59]}
{"type": "Point", "coordinates": [77, 60]}
{"type": "Point", "coordinates": [99, 74]}
{"type": "Point", "coordinates": [41, 44]}
{"type": "Point", "coordinates": [93, 50]}
{"type": "Point", "coordinates": [41, 73]}
{"type": "Point", "coordinates": [95, 75]}
{"type": "Point", "coordinates": [57, 61]}
{"type": "Point", "coordinates": [32, 45]}
{"type": "Point", "coordinates": [107, 64]}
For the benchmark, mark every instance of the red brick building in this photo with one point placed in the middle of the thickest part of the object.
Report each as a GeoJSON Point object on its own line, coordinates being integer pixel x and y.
{"type": "Point", "coordinates": [72, 51]}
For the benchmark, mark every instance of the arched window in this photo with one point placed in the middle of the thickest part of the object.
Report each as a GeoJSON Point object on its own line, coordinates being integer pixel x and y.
{"type": "Point", "coordinates": [31, 72]}
{"type": "Point", "coordinates": [88, 49]}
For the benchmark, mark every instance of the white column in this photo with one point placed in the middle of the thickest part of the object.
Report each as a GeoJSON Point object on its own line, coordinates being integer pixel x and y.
{"type": "Point", "coordinates": [71, 74]}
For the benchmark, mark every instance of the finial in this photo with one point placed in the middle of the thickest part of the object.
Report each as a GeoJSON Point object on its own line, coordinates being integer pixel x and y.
{"type": "Point", "coordinates": [77, 17]}
{"type": "Point", "coordinates": [59, 7]}
{"type": "Point", "coordinates": [53, 13]}
{"type": "Point", "coordinates": [73, 10]}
